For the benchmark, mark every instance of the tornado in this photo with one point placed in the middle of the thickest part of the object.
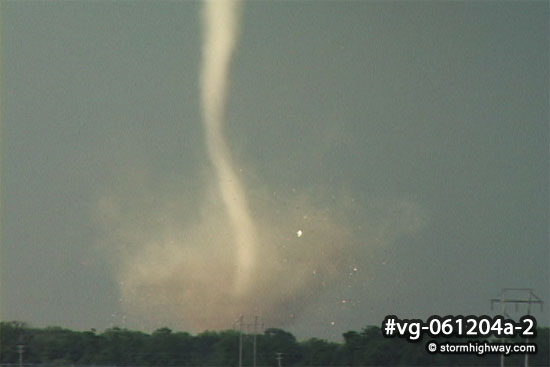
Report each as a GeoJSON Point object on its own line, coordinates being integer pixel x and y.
{"type": "Point", "coordinates": [220, 22]}
{"type": "Point", "coordinates": [199, 265]}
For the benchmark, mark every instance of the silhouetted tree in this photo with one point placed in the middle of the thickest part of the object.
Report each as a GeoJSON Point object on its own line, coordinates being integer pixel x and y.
{"type": "Point", "coordinates": [122, 347]}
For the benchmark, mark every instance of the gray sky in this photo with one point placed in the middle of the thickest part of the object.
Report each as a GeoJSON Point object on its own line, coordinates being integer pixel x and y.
{"type": "Point", "coordinates": [419, 128]}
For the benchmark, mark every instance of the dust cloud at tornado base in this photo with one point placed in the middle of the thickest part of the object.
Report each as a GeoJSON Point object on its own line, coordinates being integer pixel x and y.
{"type": "Point", "coordinates": [175, 262]}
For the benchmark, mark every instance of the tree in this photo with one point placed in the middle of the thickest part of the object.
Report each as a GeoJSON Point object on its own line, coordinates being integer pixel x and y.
{"type": "Point", "coordinates": [203, 347]}
{"type": "Point", "coordinates": [317, 352]}
{"type": "Point", "coordinates": [122, 347]}
{"type": "Point", "coordinates": [11, 334]}
{"type": "Point", "coordinates": [278, 341]}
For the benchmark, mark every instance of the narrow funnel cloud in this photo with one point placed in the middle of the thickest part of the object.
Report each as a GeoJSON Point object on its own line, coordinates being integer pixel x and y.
{"type": "Point", "coordinates": [221, 19]}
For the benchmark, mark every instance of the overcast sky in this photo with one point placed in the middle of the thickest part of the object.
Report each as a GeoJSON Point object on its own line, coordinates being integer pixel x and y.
{"type": "Point", "coordinates": [421, 128]}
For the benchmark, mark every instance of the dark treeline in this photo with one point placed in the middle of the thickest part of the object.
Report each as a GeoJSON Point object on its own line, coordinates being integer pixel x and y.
{"type": "Point", "coordinates": [123, 347]}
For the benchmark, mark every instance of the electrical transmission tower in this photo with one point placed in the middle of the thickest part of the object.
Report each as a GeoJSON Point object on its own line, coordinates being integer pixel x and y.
{"type": "Point", "coordinates": [256, 328]}
{"type": "Point", "coordinates": [516, 297]}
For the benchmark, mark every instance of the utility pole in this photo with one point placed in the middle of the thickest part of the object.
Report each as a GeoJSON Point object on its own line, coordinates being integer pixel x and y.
{"type": "Point", "coordinates": [20, 349]}
{"type": "Point", "coordinates": [507, 297]}
{"type": "Point", "coordinates": [279, 358]}
{"type": "Point", "coordinates": [257, 328]}
{"type": "Point", "coordinates": [241, 341]}
{"type": "Point", "coordinates": [255, 333]}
